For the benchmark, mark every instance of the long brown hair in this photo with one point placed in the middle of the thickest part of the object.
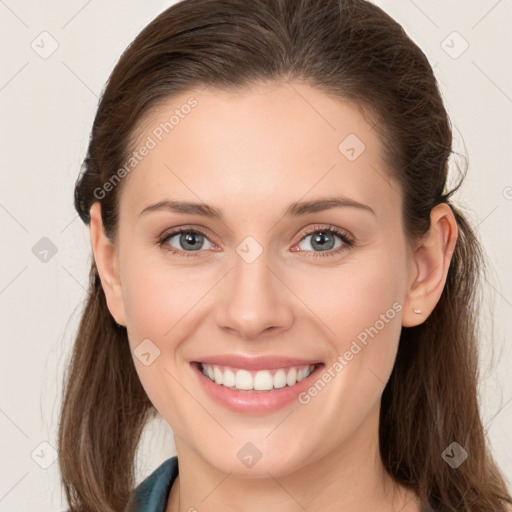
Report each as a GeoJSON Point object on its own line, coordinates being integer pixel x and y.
{"type": "Point", "coordinates": [355, 51]}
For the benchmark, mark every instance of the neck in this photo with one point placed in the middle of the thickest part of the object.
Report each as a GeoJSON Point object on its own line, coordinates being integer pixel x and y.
{"type": "Point", "coordinates": [350, 478]}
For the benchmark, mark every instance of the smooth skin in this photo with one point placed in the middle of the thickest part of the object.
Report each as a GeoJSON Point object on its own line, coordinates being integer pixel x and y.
{"type": "Point", "coordinates": [250, 155]}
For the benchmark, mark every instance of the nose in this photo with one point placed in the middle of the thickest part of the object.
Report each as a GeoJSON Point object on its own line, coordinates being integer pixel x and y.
{"type": "Point", "coordinates": [255, 300]}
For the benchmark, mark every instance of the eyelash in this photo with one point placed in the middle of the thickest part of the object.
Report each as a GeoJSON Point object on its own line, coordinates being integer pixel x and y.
{"type": "Point", "coordinates": [348, 241]}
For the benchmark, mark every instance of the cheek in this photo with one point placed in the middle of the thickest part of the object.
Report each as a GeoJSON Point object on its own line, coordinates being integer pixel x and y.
{"type": "Point", "coordinates": [360, 309]}
{"type": "Point", "coordinates": [356, 295]}
{"type": "Point", "coordinates": [157, 296]}
{"type": "Point", "coordinates": [157, 299]}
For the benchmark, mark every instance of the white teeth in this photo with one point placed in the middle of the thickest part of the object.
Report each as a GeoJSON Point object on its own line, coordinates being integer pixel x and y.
{"type": "Point", "coordinates": [243, 380]}
{"type": "Point", "coordinates": [263, 381]}
{"type": "Point", "coordinates": [302, 374]}
{"type": "Point", "coordinates": [259, 381]}
{"type": "Point", "coordinates": [280, 379]}
{"type": "Point", "coordinates": [218, 375]}
{"type": "Point", "coordinates": [291, 378]}
{"type": "Point", "coordinates": [228, 379]}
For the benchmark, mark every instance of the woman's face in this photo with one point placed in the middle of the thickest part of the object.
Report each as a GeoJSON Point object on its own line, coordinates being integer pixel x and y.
{"type": "Point", "coordinates": [261, 279]}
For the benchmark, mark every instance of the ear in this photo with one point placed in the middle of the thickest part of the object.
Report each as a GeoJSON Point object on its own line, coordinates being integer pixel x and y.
{"type": "Point", "coordinates": [431, 260]}
{"type": "Point", "coordinates": [104, 251]}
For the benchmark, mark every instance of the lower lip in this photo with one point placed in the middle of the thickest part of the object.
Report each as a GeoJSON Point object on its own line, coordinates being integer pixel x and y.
{"type": "Point", "coordinates": [254, 402]}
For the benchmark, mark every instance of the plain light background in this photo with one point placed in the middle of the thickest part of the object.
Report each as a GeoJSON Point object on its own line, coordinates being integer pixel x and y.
{"type": "Point", "coordinates": [47, 104]}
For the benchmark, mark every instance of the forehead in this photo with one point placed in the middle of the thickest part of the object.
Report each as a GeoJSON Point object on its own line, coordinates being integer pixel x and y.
{"type": "Point", "coordinates": [286, 140]}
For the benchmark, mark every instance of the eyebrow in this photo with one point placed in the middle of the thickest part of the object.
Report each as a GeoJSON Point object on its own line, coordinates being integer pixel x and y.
{"type": "Point", "coordinates": [294, 210]}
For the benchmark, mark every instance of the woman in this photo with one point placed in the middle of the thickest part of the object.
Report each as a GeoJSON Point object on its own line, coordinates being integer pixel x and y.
{"type": "Point", "coordinates": [278, 271]}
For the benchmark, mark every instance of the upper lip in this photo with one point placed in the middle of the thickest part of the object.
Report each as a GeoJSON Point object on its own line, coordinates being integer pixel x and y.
{"type": "Point", "coordinates": [268, 362]}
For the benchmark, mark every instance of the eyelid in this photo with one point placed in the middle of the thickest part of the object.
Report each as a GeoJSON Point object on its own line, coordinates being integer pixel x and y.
{"type": "Point", "coordinates": [328, 227]}
{"type": "Point", "coordinates": [171, 233]}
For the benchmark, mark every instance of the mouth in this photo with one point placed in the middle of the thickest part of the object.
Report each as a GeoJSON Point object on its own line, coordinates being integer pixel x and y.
{"type": "Point", "coordinates": [255, 381]}
{"type": "Point", "coordinates": [275, 383]}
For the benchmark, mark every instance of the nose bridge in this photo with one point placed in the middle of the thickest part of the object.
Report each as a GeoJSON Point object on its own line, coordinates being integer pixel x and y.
{"type": "Point", "coordinates": [253, 298]}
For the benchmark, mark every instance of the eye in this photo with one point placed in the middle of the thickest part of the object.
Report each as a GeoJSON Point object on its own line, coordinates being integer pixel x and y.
{"type": "Point", "coordinates": [191, 240]}
{"type": "Point", "coordinates": [188, 241]}
{"type": "Point", "coordinates": [324, 239]}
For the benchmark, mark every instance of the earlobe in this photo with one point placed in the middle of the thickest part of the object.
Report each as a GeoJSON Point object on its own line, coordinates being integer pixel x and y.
{"type": "Point", "coordinates": [431, 262]}
{"type": "Point", "coordinates": [104, 253]}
